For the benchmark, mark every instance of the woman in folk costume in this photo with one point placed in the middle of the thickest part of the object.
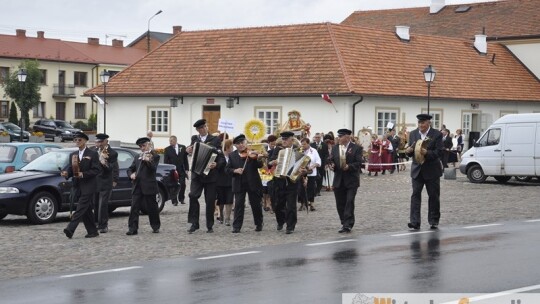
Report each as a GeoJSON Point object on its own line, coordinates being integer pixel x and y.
{"type": "Point", "coordinates": [386, 155]}
{"type": "Point", "coordinates": [328, 179]}
{"type": "Point", "coordinates": [375, 155]}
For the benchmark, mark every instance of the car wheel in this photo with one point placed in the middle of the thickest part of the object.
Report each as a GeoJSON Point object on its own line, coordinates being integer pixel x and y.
{"type": "Point", "coordinates": [523, 178]}
{"type": "Point", "coordinates": [160, 199]}
{"type": "Point", "coordinates": [502, 179]}
{"type": "Point", "coordinates": [43, 208]}
{"type": "Point", "coordinates": [3, 214]}
{"type": "Point", "coordinates": [476, 174]}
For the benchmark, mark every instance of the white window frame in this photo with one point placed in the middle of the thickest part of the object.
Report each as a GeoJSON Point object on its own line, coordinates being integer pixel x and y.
{"type": "Point", "coordinates": [389, 115]}
{"type": "Point", "coordinates": [159, 120]}
{"type": "Point", "coordinates": [437, 114]}
{"type": "Point", "coordinates": [272, 123]}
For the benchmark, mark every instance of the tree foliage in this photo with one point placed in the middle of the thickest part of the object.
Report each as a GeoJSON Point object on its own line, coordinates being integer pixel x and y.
{"type": "Point", "coordinates": [13, 117]}
{"type": "Point", "coordinates": [26, 95]}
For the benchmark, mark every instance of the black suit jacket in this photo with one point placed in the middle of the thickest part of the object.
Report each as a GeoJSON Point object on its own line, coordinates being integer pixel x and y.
{"type": "Point", "coordinates": [353, 158]}
{"type": "Point", "coordinates": [322, 149]}
{"type": "Point", "coordinates": [180, 160]}
{"type": "Point", "coordinates": [109, 173]}
{"type": "Point", "coordinates": [250, 175]}
{"type": "Point", "coordinates": [215, 142]}
{"type": "Point", "coordinates": [145, 179]}
{"type": "Point", "coordinates": [90, 168]}
{"type": "Point", "coordinates": [432, 166]}
{"type": "Point", "coordinates": [447, 143]}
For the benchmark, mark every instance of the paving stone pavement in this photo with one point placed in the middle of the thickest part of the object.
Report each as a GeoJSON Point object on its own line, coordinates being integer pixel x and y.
{"type": "Point", "coordinates": [382, 205]}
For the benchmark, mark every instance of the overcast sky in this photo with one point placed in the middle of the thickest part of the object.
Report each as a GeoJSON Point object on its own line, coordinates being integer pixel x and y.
{"type": "Point", "coordinates": [76, 20]}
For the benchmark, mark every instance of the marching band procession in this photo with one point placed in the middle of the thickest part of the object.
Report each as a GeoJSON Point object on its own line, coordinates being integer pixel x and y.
{"type": "Point", "coordinates": [275, 174]}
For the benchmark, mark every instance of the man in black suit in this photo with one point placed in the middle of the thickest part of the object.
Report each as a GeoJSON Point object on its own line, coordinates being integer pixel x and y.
{"type": "Point", "coordinates": [394, 140]}
{"type": "Point", "coordinates": [244, 167]}
{"type": "Point", "coordinates": [208, 183]}
{"type": "Point", "coordinates": [345, 161]}
{"type": "Point", "coordinates": [142, 173]}
{"type": "Point", "coordinates": [322, 149]}
{"type": "Point", "coordinates": [426, 170]}
{"type": "Point", "coordinates": [447, 145]}
{"type": "Point", "coordinates": [176, 154]}
{"type": "Point", "coordinates": [107, 180]}
{"type": "Point", "coordinates": [83, 167]}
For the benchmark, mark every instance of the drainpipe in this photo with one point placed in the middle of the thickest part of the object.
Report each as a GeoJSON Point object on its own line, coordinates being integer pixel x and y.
{"type": "Point", "coordinates": [354, 112]}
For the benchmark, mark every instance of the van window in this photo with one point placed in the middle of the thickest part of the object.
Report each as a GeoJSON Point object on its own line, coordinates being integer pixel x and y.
{"type": "Point", "coordinates": [490, 138]}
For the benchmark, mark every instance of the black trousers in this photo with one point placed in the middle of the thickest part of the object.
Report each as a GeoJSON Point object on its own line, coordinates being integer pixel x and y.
{"type": "Point", "coordinates": [84, 213]}
{"type": "Point", "coordinates": [101, 208]}
{"type": "Point", "coordinates": [319, 179]}
{"type": "Point", "coordinates": [255, 199]}
{"type": "Point", "coordinates": [433, 187]}
{"type": "Point", "coordinates": [345, 205]}
{"type": "Point", "coordinates": [195, 193]}
{"type": "Point", "coordinates": [179, 192]}
{"type": "Point", "coordinates": [311, 188]}
{"type": "Point", "coordinates": [285, 196]}
{"type": "Point", "coordinates": [137, 200]}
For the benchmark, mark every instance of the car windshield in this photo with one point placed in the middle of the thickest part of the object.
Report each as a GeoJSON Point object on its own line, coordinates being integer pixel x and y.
{"type": "Point", "coordinates": [63, 124]}
{"type": "Point", "coordinates": [7, 154]}
{"type": "Point", "coordinates": [52, 161]}
{"type": "Point", "coordinates": [12, 127]}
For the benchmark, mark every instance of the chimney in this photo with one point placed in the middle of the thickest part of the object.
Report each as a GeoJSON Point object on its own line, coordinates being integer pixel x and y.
{"type": "Point", "coordinates": [41, 34]}
{"type": "Point", "coordinates": [176, 29]}
{"type": "Point", "coordinates": [118, 43]}
{"type": "Point", "coordinates": [402, 31]}
{"type": "Point", "coordinates": [20, 33]}
{"type": "Point", "coordinates": [93, 41]}
{"type": "Point", "coordinates": [480, 43]}
{"type": "Point", "coordinates": [436, 6]}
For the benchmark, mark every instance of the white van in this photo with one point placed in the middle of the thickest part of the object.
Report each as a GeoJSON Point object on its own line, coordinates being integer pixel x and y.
{"type": "Point", "coordinates": [509, 147]}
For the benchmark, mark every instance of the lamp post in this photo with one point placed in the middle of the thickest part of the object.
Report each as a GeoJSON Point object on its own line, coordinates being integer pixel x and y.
{"type": "Point", "coordinates": [21, 76]}
{"type": "Point", "coordinates": [105, 79]}
{"type": "Point", "coordinates": [429, 77]}
{"type": "Point", "coordinates": [148, 31]}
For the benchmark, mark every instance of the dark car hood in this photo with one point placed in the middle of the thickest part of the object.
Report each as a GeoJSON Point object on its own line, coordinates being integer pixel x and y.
{"type": "Point", "coordinates": [72, 130]}
{"type": "Point", "coordinates": [22, 176]}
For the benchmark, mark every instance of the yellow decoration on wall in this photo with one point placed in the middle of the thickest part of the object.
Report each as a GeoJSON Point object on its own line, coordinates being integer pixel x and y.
{"type": "Point", "coordinates": [254, 130]}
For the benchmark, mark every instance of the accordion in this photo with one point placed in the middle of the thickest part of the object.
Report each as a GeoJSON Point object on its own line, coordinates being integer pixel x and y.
{"type": "Point", "coordinates": [288, 165]}
{"type": "Point", "coordinates": [201, 157]}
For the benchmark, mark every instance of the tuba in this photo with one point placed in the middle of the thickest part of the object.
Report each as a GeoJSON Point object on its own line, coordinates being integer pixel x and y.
{"type": "Point", "coordinates": [104, 156]}
{"type": "Point", "coordinates": [75, 165]}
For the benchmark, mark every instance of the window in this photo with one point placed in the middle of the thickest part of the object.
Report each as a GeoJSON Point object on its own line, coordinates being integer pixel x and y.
{"type": "Point", "coordinates": [30, 154]}
{"type": "Point", "coordinates": [39, 110]}
{"type": "Point", "coordinates": [112, 73]}
{"type": "Point", "coordinates": [43, 77]}
{"type": "Point", "coordinates": [271, 118]}
{"type": "Point", "coordinates": [4, 73]}
{"type": "Point", "coordinates": [436, 121]}
{"type": "Point", "coordinates": [384, 116]}
{"type": "Point", "coordinates": [4, 109]}
{"type": "Point", "coordinates": [490, 138]}
{"type": "Point", "coordinates": [159, 120]}
{"type": "Point", "coordinates": [80, 110]}
{"type": "Point", "coordinates": [80, 79]}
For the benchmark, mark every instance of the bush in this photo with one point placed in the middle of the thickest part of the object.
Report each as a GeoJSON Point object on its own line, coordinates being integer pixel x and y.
{"type": "Point", "coordinates": [81, 125]}
{"type": "Point", "coordinates": [92, 122]}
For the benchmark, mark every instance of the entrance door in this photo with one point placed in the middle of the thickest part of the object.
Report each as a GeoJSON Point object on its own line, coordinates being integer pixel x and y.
{"type": "Point", "coordinates": [212, 114]}
{"type": "Point", "coordinates": [61, 110]}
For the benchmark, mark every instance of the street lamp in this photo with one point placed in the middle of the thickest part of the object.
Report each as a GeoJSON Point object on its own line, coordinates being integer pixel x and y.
{"type": "Point", "coordinates": [105, 79]}
{"type": "Point", "coordinates": [21, 76]}
{"type": "Point", "coordinates": [148, 32]}
{"type": "Point", "coordinates": [429, 76]}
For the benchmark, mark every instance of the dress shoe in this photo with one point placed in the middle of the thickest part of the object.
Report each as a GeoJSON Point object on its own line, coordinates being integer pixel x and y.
{"type": "Point", "coordinates": [182, 202]}
{"type": "Point", "coordinates": [210, 230]}
{"type": "Point", "coordinates": [68, 233]}
{"type": "Point", "coordinates": [289, 231]}
{"type": "Point", "coordinates": [414, 226]}
{"type": "Point", "coordinates": [259, 227]}
{"type": "Point", "coordinates": [193, 228]}
{"type": "Point", "coordinates": [280, 227]}
{"type": "Point", "coordinates": [434, 227]}
{"type": "Point", "coordinates": [344, 230]}
{"type": "Point", "coordinates": [155, 230]}
{"type": "Point", "coordinates": [131, 232]}
{"type": "Point", "coordinates": [227, 222]}
{"type": "Point", "coordinates": [175, 204]}
{"type": "Point", "coordinates": [92, 235]}
{"type": "Point", "coordinates": [104, 230]}
{"type": "Point", "coordinates": [236, 230]}
{"type": "Point", "coordinates": [311, 208]}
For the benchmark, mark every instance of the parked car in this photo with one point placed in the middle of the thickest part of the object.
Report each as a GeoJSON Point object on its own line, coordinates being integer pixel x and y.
{"type": "Point", "coordinates": [39, 192]}
{"type": "Point", "coordinates": [52, 128]}
{"type": "Point", "coordinates": [14, 156]}
{"type": "Point", "coordinates": [14, 131]}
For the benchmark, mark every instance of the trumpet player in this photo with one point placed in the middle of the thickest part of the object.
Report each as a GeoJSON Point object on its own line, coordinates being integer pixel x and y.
{"type": "Point", "coordinates": [312, 173]}
{"type": "Point", "coordinates": [142, 173]}
{"type": "Point", "coordinates": [345, 160]}
{"type": "Point", "coordinates": [106, 180]}
{"type": "Point", "coordinates": [427, 173]}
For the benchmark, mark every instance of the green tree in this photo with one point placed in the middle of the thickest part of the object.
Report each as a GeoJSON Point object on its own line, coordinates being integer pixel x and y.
{"type": "Point", "coordinates": [26, 94]}
{"type": "Point", "coordinates": [13, 117]}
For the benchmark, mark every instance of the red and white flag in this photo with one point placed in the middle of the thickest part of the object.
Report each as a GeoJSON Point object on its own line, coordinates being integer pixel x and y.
{"type": "Point", "coordinates": [326, 98]}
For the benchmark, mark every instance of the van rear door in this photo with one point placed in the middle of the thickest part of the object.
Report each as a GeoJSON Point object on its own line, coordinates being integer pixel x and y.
{"type": "Point", "coordinates": [518, 149]}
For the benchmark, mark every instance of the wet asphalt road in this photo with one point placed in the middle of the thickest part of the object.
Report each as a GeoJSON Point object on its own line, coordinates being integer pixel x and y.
{"type": "Point", "coordinates": [469, 259]}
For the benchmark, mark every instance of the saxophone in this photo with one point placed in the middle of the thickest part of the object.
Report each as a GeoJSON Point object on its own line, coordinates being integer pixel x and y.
{"type": "Point", "coordinates": [104, 156]}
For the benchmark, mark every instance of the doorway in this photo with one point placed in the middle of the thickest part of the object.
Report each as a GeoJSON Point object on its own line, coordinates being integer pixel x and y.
{"type": "Point", "coordinates": [212, 114]}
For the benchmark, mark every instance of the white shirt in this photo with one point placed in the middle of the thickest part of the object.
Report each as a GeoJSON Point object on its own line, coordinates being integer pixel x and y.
{"type": "Point", "coordinates": [424, 135]}
{"type": "Point", "coordinates": [315, 159]}
{"type": "Point", "coordinates": [81, 152]}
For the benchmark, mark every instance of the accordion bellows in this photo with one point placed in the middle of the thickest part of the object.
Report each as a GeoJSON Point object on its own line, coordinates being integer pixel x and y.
{"type": "Point", "coordinates": [201, 157]}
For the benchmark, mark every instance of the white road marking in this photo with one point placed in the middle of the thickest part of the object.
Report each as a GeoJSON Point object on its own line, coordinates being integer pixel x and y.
{"type": "Point", "coordinates": [499, 294]}
{"type": "Point", "coordinates": [333, 242]}
{"type": "Point", "coordinates": [414, 232]}
{"type": "Point", "coordinates": [481, 226]}
{"type": "Point", "coordinates": [99, 272]}
{"type": "Point", "coordinates": [227, 255]}
{"type": "Point", "coordinates": [532, 221]}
